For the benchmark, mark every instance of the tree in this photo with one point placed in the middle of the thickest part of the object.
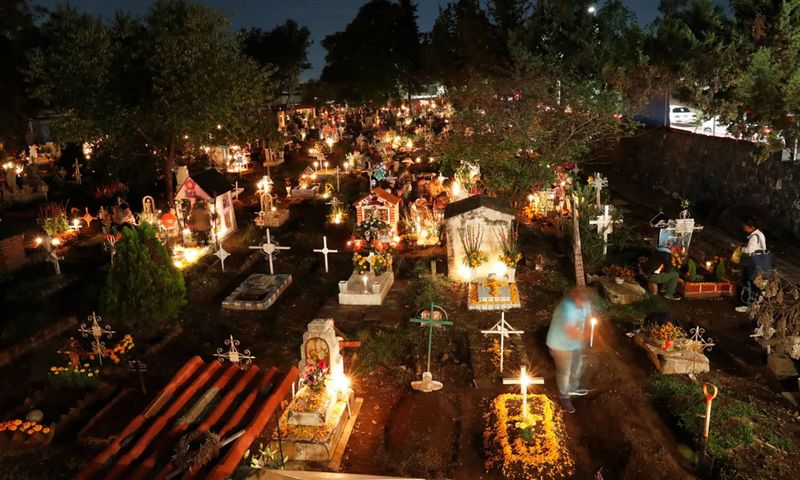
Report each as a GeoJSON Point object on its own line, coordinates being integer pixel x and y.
{"type": "Point", "coordinates": [463, 43]}
{"type": "Point", "coordinates": [518, 129]}
{"type": "Point", "coordinates": [143, 290]}
{"type": "Point", "coordinates": [285, 48]}
{"type": "Point", "coordinates": [17, 35]}
{"type": "Point", "coordinates": [162, 84]}
{"type": "Point", "coordinates": [375, 54]}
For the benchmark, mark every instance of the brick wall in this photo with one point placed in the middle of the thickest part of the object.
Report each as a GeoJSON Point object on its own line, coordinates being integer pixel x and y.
{"type": "Point", "coordinates": [719, 172]}
{"type": "Point", "coordinates": [12, 254]}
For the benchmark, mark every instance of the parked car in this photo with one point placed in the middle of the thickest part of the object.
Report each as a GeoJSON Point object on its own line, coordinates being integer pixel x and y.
{"type": "Point", "coordinates": [680, 115]}
{"type": "Point", "coordinates": [712, 126]}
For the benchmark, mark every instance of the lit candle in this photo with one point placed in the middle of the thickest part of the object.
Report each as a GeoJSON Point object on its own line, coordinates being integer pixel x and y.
{"type": "Point", "coordinates": [593, 322]}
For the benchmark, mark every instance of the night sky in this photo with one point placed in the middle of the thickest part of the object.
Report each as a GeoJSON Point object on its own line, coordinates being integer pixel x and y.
{"type": "Point", "coordinates": [322, 17]}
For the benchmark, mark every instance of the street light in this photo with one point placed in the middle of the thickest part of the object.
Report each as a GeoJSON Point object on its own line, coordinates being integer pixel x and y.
{"type": "Point", "coordinates": [592, 9]}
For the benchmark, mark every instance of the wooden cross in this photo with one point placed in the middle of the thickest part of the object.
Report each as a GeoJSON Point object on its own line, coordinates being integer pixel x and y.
{"type": "Point", "coordinates": [523, 381]}
{"type": "Point", "coordinates": [430, 321]}
{"type": "Point", "coordinates": [268, 249]}
{"type": "Point", "coordinates": [605, 226]}
{"type": "Point", "coordinates": [325, 251]}
{"type": "Point", "coordinates": [504, 329]}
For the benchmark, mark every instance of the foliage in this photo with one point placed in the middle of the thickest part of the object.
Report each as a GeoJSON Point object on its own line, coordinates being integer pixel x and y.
{"type": "Point", "coordinates": [161, 83]}
{"type": "Point", "coordinates": [17, 35]}
{"type": "Point", "coordinates": [720, 270]}
{"type": "Point", "coordinates": [376, 53]}
{"type": "Point", "coordinates": [691, 270]}
{"type": "Point", "coordinates": [73, 378]}
{"type": "Point", "coordinates": [143, 290]}
{"type": "Point", "coordinates": [427, 288]}
{"type": "Point", "coordinates": [284, 47]}
{"type": "Point", "coordinates": [509, 244]}
{"type": "Point", "coordinates": [380, 348]}
{"type": "Point", "coordinates": [735, 424]}
{"type": "Point", "coordinates": [53, 218]}
{"type": "Point", "coordinates": [778, 312]}
{"type": "Point", "coordinates": [314, 374]}
{"type": "Point", "coordinates": [471, 240]}
{"type": "Point", "coordinates": [266, 458]}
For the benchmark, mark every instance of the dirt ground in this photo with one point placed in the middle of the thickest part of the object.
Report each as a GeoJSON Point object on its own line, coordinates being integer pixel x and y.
{"type": "Point", "coordinates": [616, 432]}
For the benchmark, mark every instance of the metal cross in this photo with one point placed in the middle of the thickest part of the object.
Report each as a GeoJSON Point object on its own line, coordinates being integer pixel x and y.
{"type": "Point", "coordinates": [605, 226]}
{"type": "Point", "coordinates": [599, 183]}
{"type": "Point", "coordinates": [325, 251]}
{"type": "Point", "coordinates": [504, 330]}
{"type": "Point", "coordinates": [222, 254]}
{"type": "Point", "coordinates": [233, 354]}
{"type": "Point", "coordinates": [430, 321]}
{"type": "Point", "coordinates": [97, 332]}
{"type": "Point", "coordinates": [523, 381]}
{"type": "Point", "coordinates": [269, 248]}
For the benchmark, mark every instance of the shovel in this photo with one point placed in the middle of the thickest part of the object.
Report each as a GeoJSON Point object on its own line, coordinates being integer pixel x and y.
{"type": "Point", "coordinates": [706, 463]}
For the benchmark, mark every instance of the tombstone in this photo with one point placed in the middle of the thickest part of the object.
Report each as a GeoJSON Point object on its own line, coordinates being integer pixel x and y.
{"type": "Point", "coordinates": [321, 343]}
{"type": "Point", "coordinates": [270, 215]}
{"type": "Point", "coordinates": [677, 232]}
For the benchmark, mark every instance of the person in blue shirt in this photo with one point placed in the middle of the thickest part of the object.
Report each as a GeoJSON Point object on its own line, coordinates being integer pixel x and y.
{"type": "Point", "coordinates": [565, 339]}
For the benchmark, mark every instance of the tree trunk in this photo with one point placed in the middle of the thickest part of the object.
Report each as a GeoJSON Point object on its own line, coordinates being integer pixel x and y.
{"type": "Point", "coordinates": [577, 253]}
{"type": "Point", "coordinates": [169, 166]}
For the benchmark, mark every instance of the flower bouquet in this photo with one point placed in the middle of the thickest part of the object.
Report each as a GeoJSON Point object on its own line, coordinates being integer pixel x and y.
{"type": "Point", "coordinates": [314, 374]}
{"type": "Point", "coordinates": [380, 263]}
{"type": "Point", "coordinates": [665, 335]}
{"type": "Point", "coordinates": [509, 244]}
{"type": "Point", "coordinates": [620, 274]}
{"type": "Point", "coordinates": [360, 263]}
{"type": "Point", "coordinates": [471, 240]}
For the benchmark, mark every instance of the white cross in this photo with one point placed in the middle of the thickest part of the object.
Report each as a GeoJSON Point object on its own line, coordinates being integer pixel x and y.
{"type": "Point", "coordinates": [504, 329]}
{"type": "Point", "coordinates": [523, 381]}
{"type": "Point", "coordinates": [605, 226]}
{"type": "Point", "coordinates": [222, 254]}
{"type": "Point", "coordinates": [599, 183]}
{"type": "Point", "coordinates": [269, 248]}
{"type": "Point", "coordinates": [325, 251]}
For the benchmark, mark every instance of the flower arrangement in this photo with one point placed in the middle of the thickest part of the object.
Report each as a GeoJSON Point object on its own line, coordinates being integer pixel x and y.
{"type": "Point", "coordinates": [314, 374]}
{"type": "Point", "coordinates": [621, 272]}
{"type": "Point", "coordinates": [53, 219]}
{"type": "Point", "coordinates": [360, 263]}
{"type": "Point", "coordinates": [509, 244]}
{"type": "Point", "coordinates": [678, 256]}
{"type": "Point", "coordinates": [74, 378]}
{"type": "Point", "coordinates": [371, 229]}
{"type": "Point", "coordinates": [380, 262]}
{"type": "Point", "coordinates": [471, 240]}
{"type": "Point", "coordinates": [121, 348]}
{"type": "Point", "coordinates": [526, 447]}
{"type": "Point", "coordinates": [22, 426]}
{"type": "Point", "coordinates": [665, 335]}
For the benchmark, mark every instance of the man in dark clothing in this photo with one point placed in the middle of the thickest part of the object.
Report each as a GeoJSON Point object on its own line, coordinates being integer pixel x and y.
{"type": "Point", "coordinates": [659, 271]}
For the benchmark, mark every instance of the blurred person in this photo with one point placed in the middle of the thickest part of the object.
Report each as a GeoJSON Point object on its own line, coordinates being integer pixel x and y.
{"type": "Point", "coordinates": [565, 339]}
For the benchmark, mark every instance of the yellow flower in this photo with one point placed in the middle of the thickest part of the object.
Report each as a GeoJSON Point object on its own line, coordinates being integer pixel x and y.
{"type": "Point", "coordinates": [90, 374]}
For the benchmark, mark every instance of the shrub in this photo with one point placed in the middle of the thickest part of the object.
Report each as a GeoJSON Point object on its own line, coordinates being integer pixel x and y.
{"type": "Point", "coordinates": [144, 291]}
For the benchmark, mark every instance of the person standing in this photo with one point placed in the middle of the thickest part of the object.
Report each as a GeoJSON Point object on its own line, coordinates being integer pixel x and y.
{"type": "Point", "coordinates": [757, 258]}
{"type": "Point", "coordinates": [565, 339]}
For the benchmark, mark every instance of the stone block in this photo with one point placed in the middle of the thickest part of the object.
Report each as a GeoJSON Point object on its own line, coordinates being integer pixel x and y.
{"type": "Point", "coordinates": [781, 365]}
{"type": "Point", "coordinates": [357, 292]}
{"type": "Point", "coordinates": [623, 294]}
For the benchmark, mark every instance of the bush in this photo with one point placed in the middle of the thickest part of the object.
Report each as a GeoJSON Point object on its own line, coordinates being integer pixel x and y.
{"type": "Point", "coordinates": [144, 291]}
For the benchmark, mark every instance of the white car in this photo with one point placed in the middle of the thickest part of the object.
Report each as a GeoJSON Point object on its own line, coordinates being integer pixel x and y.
{"type": "Point", "coordinates": [712, 126]}
{"type": "Point", "coordinates": [680, 115]}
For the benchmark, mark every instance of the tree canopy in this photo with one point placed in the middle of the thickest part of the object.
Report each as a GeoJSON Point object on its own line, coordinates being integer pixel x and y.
{"type": "Point", "coordinates": [157, 85]}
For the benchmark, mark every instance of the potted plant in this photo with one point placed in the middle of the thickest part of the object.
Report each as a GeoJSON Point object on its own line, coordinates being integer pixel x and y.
{"type": "Point", "coordinates": [471, 241]}
{"type": "Point", "coordinates": [509, 244]}
{"type": "Point", "coordinates": [361, 263]}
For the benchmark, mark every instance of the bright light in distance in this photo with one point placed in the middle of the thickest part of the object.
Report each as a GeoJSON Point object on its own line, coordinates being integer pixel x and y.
{"type": "Point", "coordinates": [592, 9]}
{"type": "Point", "coordinates": [55, 242]}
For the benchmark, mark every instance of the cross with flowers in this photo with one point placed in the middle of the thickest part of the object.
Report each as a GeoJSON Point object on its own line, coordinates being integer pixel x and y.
{"type": "Point", "coordinates": [504, 330]}
{"type": "Point", "coordinates": [97, 332]}
{"type": "Point", "coordinates": [523, 381]}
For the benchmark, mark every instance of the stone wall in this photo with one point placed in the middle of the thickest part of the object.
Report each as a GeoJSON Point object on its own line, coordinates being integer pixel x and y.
{"type": "Point", "coordinates": [719, 172]}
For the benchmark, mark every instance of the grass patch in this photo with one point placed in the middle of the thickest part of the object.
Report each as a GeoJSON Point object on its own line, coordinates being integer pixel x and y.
{"type": "Point", "coordinates": [380, 348]}
{"type": "Point", "coordinates": [736, 425]}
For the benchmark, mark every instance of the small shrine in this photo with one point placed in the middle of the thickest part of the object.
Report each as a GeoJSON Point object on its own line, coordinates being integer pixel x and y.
{"type": "Point", "coordinates": [270, 215]}
{"type": "Point", "coordinates": [315, 425]}
{"type": "Point", "coordinates": [216, 192]}
{"type": "Point", "coordinates": [379, 204]}
{"type": "Point", "coordinates": [486, 216]}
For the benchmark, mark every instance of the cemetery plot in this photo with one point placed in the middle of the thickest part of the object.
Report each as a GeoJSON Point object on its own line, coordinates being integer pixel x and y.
{"type": "Point", "coordinates": [257, 292]}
